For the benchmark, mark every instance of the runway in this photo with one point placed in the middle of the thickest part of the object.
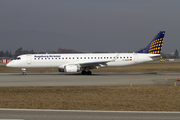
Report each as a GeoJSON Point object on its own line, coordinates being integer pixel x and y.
{"type": "Point", "coordinates": [97, 79]}
{"type": "Point", "coordinates": [34, 114]}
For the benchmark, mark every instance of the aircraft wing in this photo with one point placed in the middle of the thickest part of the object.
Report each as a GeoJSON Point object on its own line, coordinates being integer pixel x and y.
{"type": "Point", "coordinates": [98, 64]}
{"type": "Point", "coordinates": [93, 65]}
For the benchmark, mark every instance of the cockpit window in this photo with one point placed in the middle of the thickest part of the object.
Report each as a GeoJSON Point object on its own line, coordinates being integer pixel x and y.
{"type": "Point", "coordinates": [18, 58]}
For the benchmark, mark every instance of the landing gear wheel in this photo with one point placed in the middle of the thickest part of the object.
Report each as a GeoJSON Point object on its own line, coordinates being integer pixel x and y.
{"type": "Point", "coordinates": [89, 72]}
{"type": "Point", "coordinates": [23, 73]}
{"type": "Point", "coordinates": [84, 72]}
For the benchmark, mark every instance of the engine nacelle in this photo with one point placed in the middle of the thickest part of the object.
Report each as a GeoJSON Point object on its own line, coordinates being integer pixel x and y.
{"type": "Point", "coordinates": [71, 68]}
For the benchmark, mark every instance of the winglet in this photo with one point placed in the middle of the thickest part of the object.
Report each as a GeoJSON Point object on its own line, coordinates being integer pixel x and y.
{"type": "Point", "coordinates": [155, 46]}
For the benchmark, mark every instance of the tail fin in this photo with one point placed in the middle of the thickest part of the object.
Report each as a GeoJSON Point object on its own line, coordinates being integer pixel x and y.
{"type": "Point", "coordinates": [155, 45]}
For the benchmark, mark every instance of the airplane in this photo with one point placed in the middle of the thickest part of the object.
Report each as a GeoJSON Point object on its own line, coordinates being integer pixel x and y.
{"type": "Point", "coordinates": [85, 62]}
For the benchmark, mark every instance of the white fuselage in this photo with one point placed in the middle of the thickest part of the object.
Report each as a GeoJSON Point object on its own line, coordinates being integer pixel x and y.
{"type": "Point", "coordinates": [61, 60]}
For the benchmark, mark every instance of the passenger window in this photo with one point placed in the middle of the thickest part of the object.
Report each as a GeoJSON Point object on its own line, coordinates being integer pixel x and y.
{"type": "Point", "coordinates": [77, 58]}
{"type": "Point", "coordinates": [84, 57]}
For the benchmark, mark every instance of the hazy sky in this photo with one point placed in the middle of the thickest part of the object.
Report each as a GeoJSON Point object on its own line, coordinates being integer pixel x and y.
{"type": "Point", "coordinates": [88, 25]}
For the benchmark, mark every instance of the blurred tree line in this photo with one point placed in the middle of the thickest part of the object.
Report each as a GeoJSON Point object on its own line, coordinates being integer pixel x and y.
{"type": "Point", "coordinates": [176, 53]}
{"type": "Point", "coordinates": [20, 51]}
{"type": "Point", "coordinates": [173, 55]}
{"type": "Point", "coordinates": [5, 54]}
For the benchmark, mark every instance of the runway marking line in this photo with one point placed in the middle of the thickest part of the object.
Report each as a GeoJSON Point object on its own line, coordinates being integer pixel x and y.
{"type": "Point", "coordinates": [11, 119]}
{"type": "Point", "coordinates": [49, 110]}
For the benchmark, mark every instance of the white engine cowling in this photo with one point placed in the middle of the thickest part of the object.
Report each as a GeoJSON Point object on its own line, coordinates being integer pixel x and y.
{"type": "Point", "coordinates": [71, 68]}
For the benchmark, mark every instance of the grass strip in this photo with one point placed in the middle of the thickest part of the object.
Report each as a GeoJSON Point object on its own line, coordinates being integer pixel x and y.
{"type": "Point", "coordinates": [120, 98]}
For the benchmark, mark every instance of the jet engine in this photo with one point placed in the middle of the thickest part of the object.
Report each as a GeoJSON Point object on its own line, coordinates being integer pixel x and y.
{"type": "Point", "coordinates": [71, 68]}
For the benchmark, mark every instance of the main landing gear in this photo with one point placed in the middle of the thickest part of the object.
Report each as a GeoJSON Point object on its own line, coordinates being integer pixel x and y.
{"type": "Point", "coordinates": [86, 72]}
{"type": "Point", "coordinates": [23, 71]}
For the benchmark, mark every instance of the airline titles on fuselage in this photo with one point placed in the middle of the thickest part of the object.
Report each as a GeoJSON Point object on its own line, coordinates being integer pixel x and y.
{"type": "Point", "coordinates": [42, 56]}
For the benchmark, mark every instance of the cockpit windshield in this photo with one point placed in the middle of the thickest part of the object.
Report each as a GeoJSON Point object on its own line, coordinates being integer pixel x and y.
{"type": "Point", "coordinates": [18, 58]}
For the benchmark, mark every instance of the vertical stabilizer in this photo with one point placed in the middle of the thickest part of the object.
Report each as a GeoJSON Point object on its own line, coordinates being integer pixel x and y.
{"type": "Point", "coordinates": [155, 46]}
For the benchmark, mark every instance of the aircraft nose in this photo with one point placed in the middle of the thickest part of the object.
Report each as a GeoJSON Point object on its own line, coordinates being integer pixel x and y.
{"type": "Point", "coordinates": [9, 64]}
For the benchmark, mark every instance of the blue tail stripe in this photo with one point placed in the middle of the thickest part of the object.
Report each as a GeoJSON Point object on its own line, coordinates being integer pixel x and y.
{"type": "Point", "coordinates": [155, 46]}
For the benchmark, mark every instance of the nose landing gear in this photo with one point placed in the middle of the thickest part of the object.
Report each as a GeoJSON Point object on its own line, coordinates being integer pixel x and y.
{"type": "Point", "coordinates": [23, 71]}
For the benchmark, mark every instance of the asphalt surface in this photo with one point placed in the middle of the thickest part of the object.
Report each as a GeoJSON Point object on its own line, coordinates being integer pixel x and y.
{"type": "Point", "coordinates": [97, 79]}
{"type": "Point", "coordinates": [24, 114]}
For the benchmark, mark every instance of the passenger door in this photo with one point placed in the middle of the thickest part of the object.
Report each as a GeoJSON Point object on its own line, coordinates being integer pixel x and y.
{"type": "Point", "coordinates": [28, 59]}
